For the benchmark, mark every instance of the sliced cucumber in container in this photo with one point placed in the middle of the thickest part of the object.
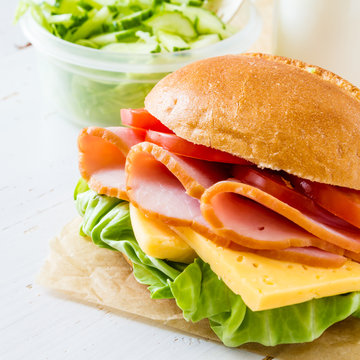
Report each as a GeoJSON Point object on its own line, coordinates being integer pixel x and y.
{"type": "Point", "coordinates": [105, 39]}
{"type": "Point", "coordinates": [175, 23]}
{"type": "Point", "coordinates": [91, 26]}
{"type": "Point", "coordinates": [135, 19]}
{"type": "Point", "coordinates": [133, 48]}
{"type": "Point", "coordinates": [188, 2]}
{"type": "Point", "coordinates": [64, 19]}
{"type": "Point", "coordinates": [205, 21]}
{"type": "Point", "coordinates": [145, 3]}
{"type": "Point", "coordinates": [172, 42]}
{"type": "Point", "coordinates": [205, 40]}
{"type": "Point", "coordinates": [87, 43]}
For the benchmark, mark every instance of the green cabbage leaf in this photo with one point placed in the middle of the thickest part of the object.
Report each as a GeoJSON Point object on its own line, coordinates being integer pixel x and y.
{"type": "Point", "coordinates": [199, 292]}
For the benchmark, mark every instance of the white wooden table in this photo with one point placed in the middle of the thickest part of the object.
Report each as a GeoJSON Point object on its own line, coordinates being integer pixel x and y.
{"type": "Point", "coordinates": [38, 172]}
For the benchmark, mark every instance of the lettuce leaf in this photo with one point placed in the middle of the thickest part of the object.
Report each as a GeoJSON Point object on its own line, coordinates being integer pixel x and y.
{"type": "Point", "coordinates": [106, 221]}
{"type": "Point", "coordinates": [200, 293]}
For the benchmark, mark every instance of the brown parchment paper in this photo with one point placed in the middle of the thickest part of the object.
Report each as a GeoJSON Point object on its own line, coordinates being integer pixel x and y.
{"type": "Point", "coordinates": [82, 270]}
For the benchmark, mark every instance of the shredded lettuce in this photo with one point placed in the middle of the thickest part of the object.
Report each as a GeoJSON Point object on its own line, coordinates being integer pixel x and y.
{"type": "Point", "coordinates": [200, 293]}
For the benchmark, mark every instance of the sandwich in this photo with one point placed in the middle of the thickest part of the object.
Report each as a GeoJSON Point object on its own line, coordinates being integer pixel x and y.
{"type": "Point", "coordinates": [235, 192]}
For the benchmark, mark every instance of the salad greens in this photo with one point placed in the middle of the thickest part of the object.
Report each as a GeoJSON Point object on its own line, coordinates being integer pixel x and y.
{"type": "Point", "coordinates": [91, 96]}
{"type": "Point", "coordinates": [199, 292]}
{"type": "Point", "coordinates": [136, 26]}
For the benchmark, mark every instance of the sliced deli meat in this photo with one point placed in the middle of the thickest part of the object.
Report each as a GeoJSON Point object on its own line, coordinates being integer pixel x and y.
{"type": "Point", "coordinates": [311, 256]}
{"type": "Point", "coordinates": [159, 183]}
{"type": "Point", "coordinates": [102, 155]}
{"type": "Point", "coordinates": [254, 211]}
{"type": "Point", "coordinates": [250, 224]}
{"type": "Point", "coordinates": [168, 187]}
{"type": "Point", "coordinates": [284, 207]}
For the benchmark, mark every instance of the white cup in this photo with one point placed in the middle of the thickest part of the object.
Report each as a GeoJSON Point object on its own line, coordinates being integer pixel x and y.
{"type": "Point", "coordinates": [321, 32]}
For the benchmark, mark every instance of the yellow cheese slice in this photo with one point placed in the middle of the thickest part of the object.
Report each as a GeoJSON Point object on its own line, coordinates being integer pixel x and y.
{"type": "Point", "coordinates": [266, 283]}
{"type": "Point", "coordinates": [261, 282]}
{"type": "Point", "coordinates": [156, 239]}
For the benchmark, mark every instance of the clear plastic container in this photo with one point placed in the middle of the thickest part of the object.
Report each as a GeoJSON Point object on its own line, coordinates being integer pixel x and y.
{"type": "Point", "coordinates": [89, 86]}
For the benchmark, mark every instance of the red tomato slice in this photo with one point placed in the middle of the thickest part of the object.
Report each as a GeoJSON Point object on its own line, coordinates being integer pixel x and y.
{"type": "Point", "coordinates": [183, 147]}
{"type": "Point", "coordinates": [276, 185]}
{"type": "Point", "coordinates": [141, 118]}
{"type": "Point", "coordinates": [342, 202]}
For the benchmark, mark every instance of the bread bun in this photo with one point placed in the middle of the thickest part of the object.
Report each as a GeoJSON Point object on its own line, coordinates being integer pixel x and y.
{"type": "Point", "coordinates": [277, 112]}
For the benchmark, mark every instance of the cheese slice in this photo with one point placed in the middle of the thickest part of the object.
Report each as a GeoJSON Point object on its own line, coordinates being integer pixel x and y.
{"type": "Point", "coordinates": [262, 283]}
{"type": "Point", "coordinates": [156, 239]}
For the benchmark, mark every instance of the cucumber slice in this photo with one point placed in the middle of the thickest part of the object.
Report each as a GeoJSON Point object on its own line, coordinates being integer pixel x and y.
{"type": "Point", "coordinates": [205, 40]}
{"type": "Point", "coordinates": [188, 2]}
{"type": "Point", "coordinates": [90, 26]}
{"type": "Point", "coordinates": [64, 19]}
{"type": "Point", "coordinates": [87, 43]}
{"type": "Point", "coordinates": [105, 39]}
{"type": "Point", "coordinates": [144, 3]}
{"type": "Point", "coordinates": [172, 42]}
{"type": "Point", "coordinates": [145, 36]}
{"type": "Point", "coordinates": [135, 19]}
{"type": "Point", "coordinates": [133, 48]}
{"type": "Point", "coordinates": [175, 23]}
{"type": "Point", "coordinates": [206, 22]}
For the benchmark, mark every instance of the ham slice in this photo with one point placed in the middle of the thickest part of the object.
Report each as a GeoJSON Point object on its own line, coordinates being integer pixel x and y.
{"type": "Point", "coordinates": [227, 204]}
{"type": "Point", "coordinates": [102, 155]}
{"type": "Point", "coordinates": [117, 162]}
{"type": "Point", "coordinates": [304, 255]}
{"type": "Point", "coordinates": [168, 187]}
{"type": "Point", "coordinates": [159, 184]}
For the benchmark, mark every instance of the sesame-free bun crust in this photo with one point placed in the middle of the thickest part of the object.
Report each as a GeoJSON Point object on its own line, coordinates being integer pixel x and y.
{"type": "Point", "coordinates": [276, 112]}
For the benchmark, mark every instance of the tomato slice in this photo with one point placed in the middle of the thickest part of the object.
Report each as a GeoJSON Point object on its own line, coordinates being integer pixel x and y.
{"type": "Point", "coordinates": [183, 147]}
{"type": "Point", "coordinates": [141, 118]}
{"type": "Point", "coordinates": [342, 202]}
{"type": "Point", "coordinates": [276, 185]}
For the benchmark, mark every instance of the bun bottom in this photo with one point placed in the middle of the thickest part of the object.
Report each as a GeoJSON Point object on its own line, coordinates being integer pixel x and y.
{"type": "Point", "coordinates": [85, 272]}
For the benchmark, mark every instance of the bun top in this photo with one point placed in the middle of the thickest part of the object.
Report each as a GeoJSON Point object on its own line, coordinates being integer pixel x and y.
{"type": "Point", "coordinates": [276, 112]}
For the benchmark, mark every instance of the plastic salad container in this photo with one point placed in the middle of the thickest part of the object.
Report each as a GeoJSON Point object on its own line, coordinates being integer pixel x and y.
{"type": "Point", "coordinates": [89, 86]}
